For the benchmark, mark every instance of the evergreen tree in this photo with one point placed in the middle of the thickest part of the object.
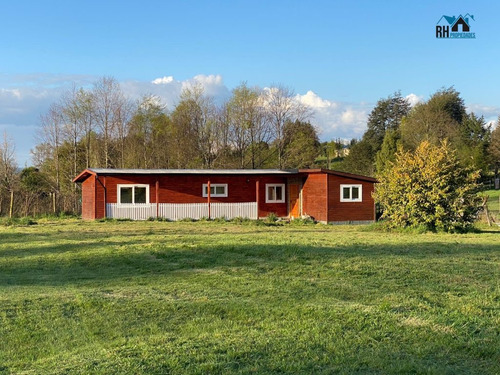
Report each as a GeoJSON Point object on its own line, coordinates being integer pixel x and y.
{"type": "Point", "coordinates": [387, 115]}
{"type": "Point", "coordinates": [387, 154]}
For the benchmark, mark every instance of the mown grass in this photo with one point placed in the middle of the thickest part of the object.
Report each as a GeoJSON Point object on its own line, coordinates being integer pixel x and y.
{"type": "Point", "coordinates": [221, 298]}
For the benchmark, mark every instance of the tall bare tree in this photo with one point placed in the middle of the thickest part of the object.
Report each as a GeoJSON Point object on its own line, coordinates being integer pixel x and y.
{"type": "Point", "coordinates": [247, 125]}
{"type": "Point", "coordinates": [72, 130]}
{"type": "Point", "coordinates": [282, 106]}
{"type": "Point", "coordinates": [111, 114]}
{"type": "Point", "coordinates": [195, 121]}
{"type": "Point", "coordinates": [148, 135]}
{"type": "Point", "coordinates": [51, 137]}
{"type": "Point", "coordinates": [8, 174]}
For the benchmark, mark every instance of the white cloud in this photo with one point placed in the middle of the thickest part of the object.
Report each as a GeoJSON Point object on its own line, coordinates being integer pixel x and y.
{"type": "Point", "coordinates": [336, 119]}
{"type": "Point", "coordinates": [314, 101]}
{"type": "Point", "coordinates": [213, 85]}
{"type": "Point", "coordinates": [163, 81]}
{"type": "Point", "coordinates": [414, 99]}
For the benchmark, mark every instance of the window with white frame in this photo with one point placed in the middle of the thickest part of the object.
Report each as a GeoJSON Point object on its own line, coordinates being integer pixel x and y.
{"type": "Point", "coordinates": [275, 193]}
{"type": "Point", "coordinates": [216, 190]}
{"type": "Point", "coordinates": [133, 194]}
{"type": "Point", "coordinates": [351, 193]}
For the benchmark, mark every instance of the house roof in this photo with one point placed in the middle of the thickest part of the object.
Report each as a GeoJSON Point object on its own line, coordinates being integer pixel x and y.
{"type": "Point", "coordinates": [112, 171]}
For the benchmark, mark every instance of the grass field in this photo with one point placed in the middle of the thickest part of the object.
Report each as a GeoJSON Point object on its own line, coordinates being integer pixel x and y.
{"type": "Point", "coordinates": [493, 200]}
{"type": "Point", "coordinates": [221, 298]}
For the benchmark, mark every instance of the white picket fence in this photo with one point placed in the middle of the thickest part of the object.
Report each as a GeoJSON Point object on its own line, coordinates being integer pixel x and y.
{"type": "Point", "coordinates": [178, 211]}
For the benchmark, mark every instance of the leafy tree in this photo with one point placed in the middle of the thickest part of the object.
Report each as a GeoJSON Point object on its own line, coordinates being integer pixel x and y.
{"type": "Point", "coordinates": [360, 159]}
{"type": "Point", "coordinates": [475, 138]}
{"type": "Point", "coordinates": [301, 145]}
{"type": "Point", "coordinates": [438, 119]}
{"type": "Point", "coordinates": [35, 189]}
{"type": "Point", "coordinates": [429, 187]}
{"type": "Point", "coordinates": [494, 149]}
{"type": "Point", "coordinates": [449, 101]}
{"type": "Point", "coordinates": [332, 150]}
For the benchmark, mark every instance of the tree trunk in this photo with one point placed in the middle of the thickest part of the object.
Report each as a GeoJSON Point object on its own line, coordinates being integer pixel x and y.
{"type": "Point", "coordinates": [11, 208]}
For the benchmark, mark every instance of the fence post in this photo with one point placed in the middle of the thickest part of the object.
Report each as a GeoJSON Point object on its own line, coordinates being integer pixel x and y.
{"type": "Point", "coordinates": [208, 196]}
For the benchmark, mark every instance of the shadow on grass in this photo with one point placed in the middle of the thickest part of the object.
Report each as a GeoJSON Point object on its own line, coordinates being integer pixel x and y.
{"type": "Point", "coordinates": [74, 263]}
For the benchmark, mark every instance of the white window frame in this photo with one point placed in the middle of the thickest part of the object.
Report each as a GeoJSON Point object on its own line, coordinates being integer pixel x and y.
{"type": "Point", "coordinates": [350, 186]}
{"type": "Point", "coordinates": [133, 186]}
{"type": "Point", "coordinates": [204, 190]}
{"type": "Point", "coordinates": [282, 200]}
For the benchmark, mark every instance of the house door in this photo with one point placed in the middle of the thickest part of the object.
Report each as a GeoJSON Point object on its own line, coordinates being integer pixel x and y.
{"type": "Point", "coordinates": [294, 200]}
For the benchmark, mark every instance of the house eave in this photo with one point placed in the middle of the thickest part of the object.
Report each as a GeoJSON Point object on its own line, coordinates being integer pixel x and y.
{"type": "Point", "coordinates": [84, 175]}
{"type": "Point", "coordinates": [340, 174]}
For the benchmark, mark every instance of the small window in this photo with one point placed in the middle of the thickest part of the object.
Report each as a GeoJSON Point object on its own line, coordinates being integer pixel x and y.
{"type": "Point", "coordinates": [351, 193]}
{"type": "Point", "coordinates": [133, 194]}
{"type": "Point", "coordinates": [216, 190]}
{"type": "Point", "coordinates": [275, 193]}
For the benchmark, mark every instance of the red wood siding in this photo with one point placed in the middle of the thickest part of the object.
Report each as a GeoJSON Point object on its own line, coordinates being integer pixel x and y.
{"type": "Point", "coordinates": [188, 189]}
{"type": "Point", "coordinates": [349, 211]}
{"type": "Point", "coordinates": [314, 196]}
{"type": "Point", "coordinates": [88, 198]}
{"type": "Point", "coordinates": [100, 196]}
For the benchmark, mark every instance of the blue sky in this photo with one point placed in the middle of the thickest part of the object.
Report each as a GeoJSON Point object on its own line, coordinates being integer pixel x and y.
{"type": "Point", "coordinates": [339, 56]}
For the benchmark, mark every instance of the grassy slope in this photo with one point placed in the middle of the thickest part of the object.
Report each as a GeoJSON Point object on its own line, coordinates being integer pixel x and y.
{"type": "Point", "coordinates": [494, 204]}
{"type": "Point", "coordinates": [493, 200]}
{"type": "Point", "coordinates": [199, 298]}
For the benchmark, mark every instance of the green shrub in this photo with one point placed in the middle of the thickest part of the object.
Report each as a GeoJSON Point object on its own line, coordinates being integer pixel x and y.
{"type": "Point", "coordinates": [18, 221]}
{"type": "Point", "coordinates": [429, 188]}
{"type": "Point", "coordinates": [272, 218]}
{"type": "Point", "coordinates": [303, 221]}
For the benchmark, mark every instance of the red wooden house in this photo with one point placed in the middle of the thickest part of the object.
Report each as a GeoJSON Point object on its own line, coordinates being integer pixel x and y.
{"type": "Point", "coordinates": [327, 196]}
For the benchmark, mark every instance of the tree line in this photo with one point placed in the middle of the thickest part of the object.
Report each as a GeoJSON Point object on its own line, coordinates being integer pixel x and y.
{"type": "Point", "coordinates": [100, 127]}
{"type": "Point", "coordinates": [394, 124]}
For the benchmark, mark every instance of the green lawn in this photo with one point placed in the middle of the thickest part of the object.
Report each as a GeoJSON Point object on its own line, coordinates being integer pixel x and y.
{"type": "Point", "coordinates": [220, 298]}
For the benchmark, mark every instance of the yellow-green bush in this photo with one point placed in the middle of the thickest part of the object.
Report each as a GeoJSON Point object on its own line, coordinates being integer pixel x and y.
{"type": "Point", "coordinates": [429, 187]}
